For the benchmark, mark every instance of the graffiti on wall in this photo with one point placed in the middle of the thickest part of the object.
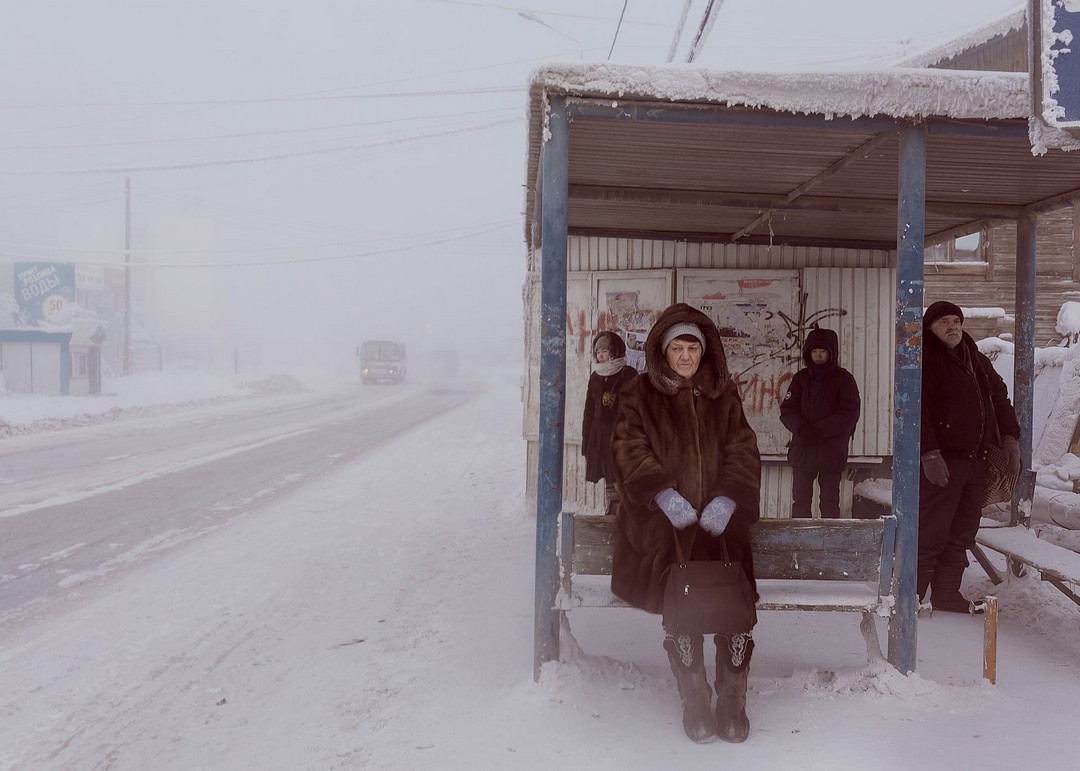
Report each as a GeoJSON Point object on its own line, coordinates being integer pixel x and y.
{"type": "Point", "coordinates": [625, 316]}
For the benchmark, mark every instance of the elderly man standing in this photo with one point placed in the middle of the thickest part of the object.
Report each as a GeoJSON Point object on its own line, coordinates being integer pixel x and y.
{"type": "Point", "coordinates": [965, 407]}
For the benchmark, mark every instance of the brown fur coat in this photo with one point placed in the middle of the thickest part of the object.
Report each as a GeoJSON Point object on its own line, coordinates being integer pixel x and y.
{"type": "Point", "coordinates": [690, 435]}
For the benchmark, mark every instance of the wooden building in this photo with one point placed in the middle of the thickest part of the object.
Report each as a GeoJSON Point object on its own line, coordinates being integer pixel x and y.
{"type": "Point", "coordinates": [984, 277]}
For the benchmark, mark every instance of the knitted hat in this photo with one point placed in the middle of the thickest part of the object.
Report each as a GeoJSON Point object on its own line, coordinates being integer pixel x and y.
{"type": "Point", "coordinates": [939, 309]}
{"type": "Point", "coordinates": [682, 329]}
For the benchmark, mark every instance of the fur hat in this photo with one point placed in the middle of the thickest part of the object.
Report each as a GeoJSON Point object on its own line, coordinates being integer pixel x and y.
{"type": "Point", "coordinates": [682, 329]}
{"type": "Point", "coordinates": [939, 309]}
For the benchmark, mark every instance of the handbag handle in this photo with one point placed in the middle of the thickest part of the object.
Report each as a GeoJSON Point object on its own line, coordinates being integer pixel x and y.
{"type": "Point", "coordinates": [678, 546]}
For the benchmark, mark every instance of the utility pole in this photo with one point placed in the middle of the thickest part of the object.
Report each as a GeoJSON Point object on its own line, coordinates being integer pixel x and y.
{"type": "Point", "coordinates": [127, 276]}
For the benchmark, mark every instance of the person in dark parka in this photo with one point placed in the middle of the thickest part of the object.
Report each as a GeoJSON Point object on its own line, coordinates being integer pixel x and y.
{"type": "Point", "coordinates": [601, 402]}
{"type": "Point", "coordinates": [685, 456]}
{"type": "Point", "coordinates": [965, 407]}
{"type": "Point", "coordinates": [820, 409]}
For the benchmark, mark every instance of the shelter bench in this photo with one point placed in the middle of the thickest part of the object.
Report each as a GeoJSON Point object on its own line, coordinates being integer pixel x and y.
{"type": "Point", "coordinates": [799, 564]}
{"type": "Point", "coordinates": [1057, 565]}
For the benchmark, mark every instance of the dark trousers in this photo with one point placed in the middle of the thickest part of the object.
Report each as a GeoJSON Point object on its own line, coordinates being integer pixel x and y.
{"type": "Point", "coordinates": [949, 515]}
{"type": "Point", "coordinates": [802, 492]}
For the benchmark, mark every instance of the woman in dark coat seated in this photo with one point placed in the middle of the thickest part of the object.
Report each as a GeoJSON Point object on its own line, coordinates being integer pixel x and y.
{"type": "Point", "coordinates": [686, 456]}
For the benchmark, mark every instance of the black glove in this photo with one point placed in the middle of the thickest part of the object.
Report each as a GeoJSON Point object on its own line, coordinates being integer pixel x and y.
{"type": "Point", "coordinates": [935, 469]}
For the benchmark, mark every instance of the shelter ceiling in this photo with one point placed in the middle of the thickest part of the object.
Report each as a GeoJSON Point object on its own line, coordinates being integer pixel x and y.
{"type": "Point", "coordinates": [736, 174]}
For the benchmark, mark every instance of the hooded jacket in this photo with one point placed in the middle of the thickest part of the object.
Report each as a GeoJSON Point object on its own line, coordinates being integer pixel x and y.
{"type": "Point", "coordinates": [962, 398]}
{"type": "Point", "coordinates": [826, 397]}
{"type": "Point", "coordinates": [688, 434]}
{"type": "Point", "coordinates": [598, 420]}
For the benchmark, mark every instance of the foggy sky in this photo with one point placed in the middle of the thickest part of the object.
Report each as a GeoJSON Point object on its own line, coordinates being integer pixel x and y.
{"type": "Point", "coordinates": [373, 146]}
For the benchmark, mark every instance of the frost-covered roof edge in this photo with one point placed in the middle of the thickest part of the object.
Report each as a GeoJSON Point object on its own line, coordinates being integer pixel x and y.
{"type": "Point", "coordinates": [999, 27]}
{"type": "Point", "coordinates": [892, 92]}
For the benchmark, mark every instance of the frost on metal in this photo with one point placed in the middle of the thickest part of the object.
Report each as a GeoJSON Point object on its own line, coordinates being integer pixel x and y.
{"type": "Point", "coordinates": [893, 92]}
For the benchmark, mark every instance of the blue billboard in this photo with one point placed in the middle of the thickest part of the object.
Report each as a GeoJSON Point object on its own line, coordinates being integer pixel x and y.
{"type": "Point", "coordinates": [1065, 59]}
{"type": "Point", "coordinates": [45, 291]}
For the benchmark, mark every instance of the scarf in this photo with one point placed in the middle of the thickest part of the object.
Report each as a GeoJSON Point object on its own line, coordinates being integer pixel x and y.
{"type": "Point", "coordinates": [609, 367]}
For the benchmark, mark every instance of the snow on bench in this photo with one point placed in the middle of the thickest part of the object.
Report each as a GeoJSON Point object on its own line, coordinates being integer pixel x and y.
{"type": "Point", "coordinates": [799, 564]}
{"type": "Point", "coordinates": [1058, 565]}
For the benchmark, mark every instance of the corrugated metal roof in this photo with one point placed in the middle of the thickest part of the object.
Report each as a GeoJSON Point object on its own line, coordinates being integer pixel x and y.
{"type": "Point", "coordinates": [792, 158]}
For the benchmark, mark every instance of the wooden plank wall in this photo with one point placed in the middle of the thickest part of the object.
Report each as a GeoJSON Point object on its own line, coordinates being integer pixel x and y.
{"type": "Point", "coordinates": [1057, 274]}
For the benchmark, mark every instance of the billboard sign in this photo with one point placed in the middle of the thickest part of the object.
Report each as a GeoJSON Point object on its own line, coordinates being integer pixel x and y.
{"type": "Point", "coordinates": [45, 291]}
{"type": "Point", "coordinates": [1055, 61]}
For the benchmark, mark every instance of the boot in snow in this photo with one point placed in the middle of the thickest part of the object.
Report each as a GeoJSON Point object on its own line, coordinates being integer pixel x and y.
{"type": "Point", "coordinates": [945, 592]}
{"type": "Point", "coordinates": [688, 665]}
{"type": "Point", "coordinates": [733, 654]}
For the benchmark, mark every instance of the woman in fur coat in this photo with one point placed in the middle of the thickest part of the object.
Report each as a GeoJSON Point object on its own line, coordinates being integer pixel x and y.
{"type": "Point", "coordinates": [685, 456]}
{"type": "Point", "coordinates": [601, 401]}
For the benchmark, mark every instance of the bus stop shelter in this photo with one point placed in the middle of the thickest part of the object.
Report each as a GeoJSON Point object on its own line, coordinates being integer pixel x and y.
{"type": "Point", "coordinates": [895, 160]}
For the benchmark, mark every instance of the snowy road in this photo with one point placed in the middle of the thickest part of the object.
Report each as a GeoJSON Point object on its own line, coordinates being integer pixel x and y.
{"type": "Point", "coordinates": [78, 504]}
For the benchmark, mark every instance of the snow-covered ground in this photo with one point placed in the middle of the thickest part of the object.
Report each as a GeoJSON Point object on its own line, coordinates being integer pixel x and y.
{"type": "Point", "coordinates": [384, 620]}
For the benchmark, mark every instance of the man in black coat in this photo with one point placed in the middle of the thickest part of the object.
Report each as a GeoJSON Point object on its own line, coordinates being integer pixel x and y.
{"type": "Point", "coordinates": [965, 408]}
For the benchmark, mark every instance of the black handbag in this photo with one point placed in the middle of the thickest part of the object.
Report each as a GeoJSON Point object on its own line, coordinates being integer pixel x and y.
{"type": "Point", "coordinates": [707, 596]}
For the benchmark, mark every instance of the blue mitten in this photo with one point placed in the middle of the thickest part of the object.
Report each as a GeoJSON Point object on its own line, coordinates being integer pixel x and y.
{"type": "Point", "coordinates": [677, 508]}
{"type": "Point", "coordinates": [717, 514]}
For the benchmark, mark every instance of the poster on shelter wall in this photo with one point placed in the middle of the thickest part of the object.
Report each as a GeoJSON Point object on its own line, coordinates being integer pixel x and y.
{"type": "Point", "coordinates": [629, 305]}
{"type": "Point", "coordinates": [753, 311]}
{"type": "Point", "coordinates": [45, 291]}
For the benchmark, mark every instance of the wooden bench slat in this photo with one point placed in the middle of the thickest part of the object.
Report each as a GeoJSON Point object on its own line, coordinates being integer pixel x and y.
{"type": "Point", "coordinates": [1021, 544]}
{"type": "Point", "coordinates": [811, 564]}
{"type": "Point", "coordinates": [776, 594]}
{"type": "Point", "coordinates": [838, 550]}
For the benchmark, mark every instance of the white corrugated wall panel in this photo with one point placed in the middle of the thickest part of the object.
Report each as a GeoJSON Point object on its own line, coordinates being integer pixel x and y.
{"type": "Point", "coordinates": [867, 342]}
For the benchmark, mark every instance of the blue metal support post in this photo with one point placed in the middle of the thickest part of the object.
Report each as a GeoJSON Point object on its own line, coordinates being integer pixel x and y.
{"type": "Point", "coordinates": [554, 165]}
{"type": "Point", "coordinates": [1023, 391]}
{"type": "Point", "coordinates": [907, 395]}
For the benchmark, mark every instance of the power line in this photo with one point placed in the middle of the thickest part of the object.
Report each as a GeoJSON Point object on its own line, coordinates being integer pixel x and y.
{"type": "Point", "coordinates": [297, 261]}
{"type": "Point", "coordinates": [275, 99]}
{"type": "Point", "coordinates": [259, 159]}
{"type": "Point", "coordinates": [617, 28]}
{"type": "Point", "coordinates": [462, 232]}
{"type": "Point", "coordinates": [253, 134]}
{"type": "Point", "coordinates": [679, 30]}
{"type": "Point", "coordinates": [707, 21]}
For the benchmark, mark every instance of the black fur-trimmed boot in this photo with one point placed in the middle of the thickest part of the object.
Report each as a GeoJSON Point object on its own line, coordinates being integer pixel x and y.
{"type": "Point", "coordinates": [945, 592]}
{"type": "Point", "coordinates": [688, 665]}
{"type": "Point", "coordinates": [733, 653]}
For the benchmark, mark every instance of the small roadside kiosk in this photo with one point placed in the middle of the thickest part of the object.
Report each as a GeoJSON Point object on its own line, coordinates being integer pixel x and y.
{"type": "Point", "coordinates": [770, 200]}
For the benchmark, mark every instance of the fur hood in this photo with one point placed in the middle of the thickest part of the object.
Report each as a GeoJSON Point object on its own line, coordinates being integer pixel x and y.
{"type": "Point", "coordinates": [712, 377]}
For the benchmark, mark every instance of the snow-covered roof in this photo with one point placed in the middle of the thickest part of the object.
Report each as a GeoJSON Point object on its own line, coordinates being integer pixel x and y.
{"type": "Point", "coordinates": [1013, 21]}
{"type": "Point", "coordinates": [798, 158]}
{"type": "Point", "coordinates": [896, 92]}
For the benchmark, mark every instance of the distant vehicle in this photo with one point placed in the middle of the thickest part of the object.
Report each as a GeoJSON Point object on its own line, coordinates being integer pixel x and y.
{"type": "Point", "coordinates": [382, 360]}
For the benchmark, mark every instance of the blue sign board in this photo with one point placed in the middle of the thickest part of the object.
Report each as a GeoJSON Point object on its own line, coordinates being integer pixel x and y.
{"type": "Point", "coordinates": [1065, 61]}
{"type": "Point", "coordinates": [45, 291]}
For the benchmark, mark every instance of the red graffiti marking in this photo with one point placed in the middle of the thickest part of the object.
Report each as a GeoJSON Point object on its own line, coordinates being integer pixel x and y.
{"type": "Point", "coordinates": [763, 394]}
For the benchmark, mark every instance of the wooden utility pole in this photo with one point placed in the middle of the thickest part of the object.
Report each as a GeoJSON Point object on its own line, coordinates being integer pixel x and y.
{"type": "Point", "coordinates": [127, 276]}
